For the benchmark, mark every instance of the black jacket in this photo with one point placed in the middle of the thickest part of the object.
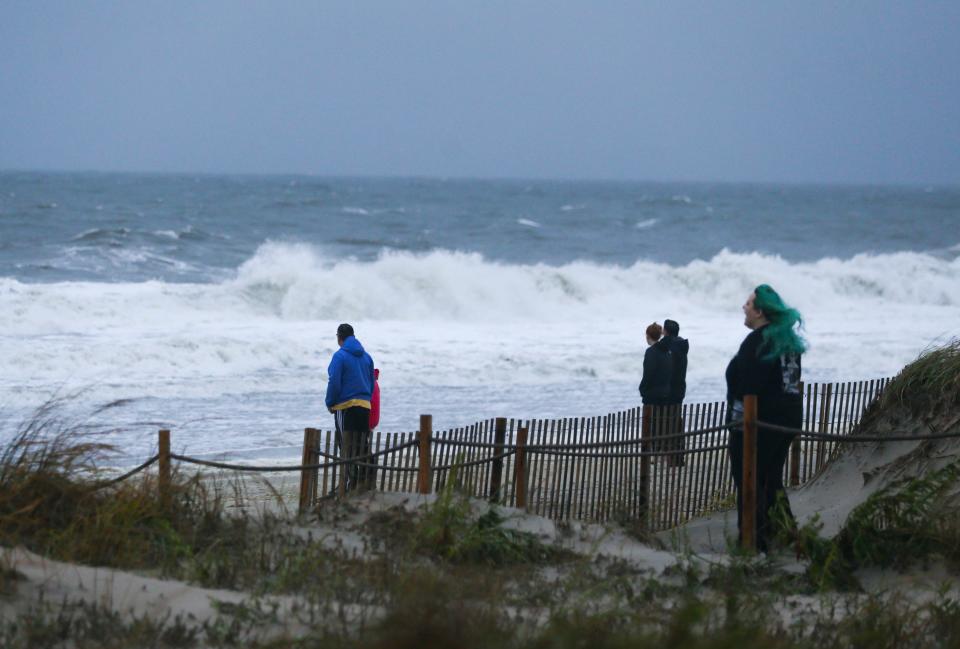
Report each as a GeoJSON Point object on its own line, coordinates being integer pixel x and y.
{"type": "Point", "coordinates": [657, 370]}
{"type": "Point", "coordinates": [775, 381]}
{"type": "Point", "coordinates": [678, 377]}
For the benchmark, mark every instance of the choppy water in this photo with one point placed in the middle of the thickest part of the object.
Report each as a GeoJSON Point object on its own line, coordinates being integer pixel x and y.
{"type": "Point", "coordinates": [210, 303]}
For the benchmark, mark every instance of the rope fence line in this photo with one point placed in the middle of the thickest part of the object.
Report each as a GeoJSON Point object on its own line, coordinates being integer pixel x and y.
{"type": "Point", "coordinates": [852, 438]}
{"type": "Point", "coordinates": [621, 442]}
{"type": "Point", "coordinates": [486, 460]}
{"type": "Point", "coordinates": [667, 454]}
{"type": "Point", "coordinates": [294, 467]}
{"type": "Point", "coordinates": [129, 474]}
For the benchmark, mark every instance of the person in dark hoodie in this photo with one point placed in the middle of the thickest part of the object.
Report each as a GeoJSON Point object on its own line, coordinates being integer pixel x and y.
{"type": "Point", "coordinates": [350, 381]}
{"type": "Point", "coordinates": [657, 368]}
{"type": "Point", "coordinates": [679, 347]}
{"type": "Point", "coordinates": [655, 384]}
{"type": "Point", "coordinates": [768, 366]}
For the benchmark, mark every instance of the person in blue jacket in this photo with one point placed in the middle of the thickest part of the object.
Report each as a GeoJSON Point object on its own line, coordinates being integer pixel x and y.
{"type": "Point", "coordinates": [350, 380]}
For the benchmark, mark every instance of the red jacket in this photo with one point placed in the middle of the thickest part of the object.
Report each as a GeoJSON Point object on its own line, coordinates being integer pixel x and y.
{"type": "Point", "coordinates": [375, 401]}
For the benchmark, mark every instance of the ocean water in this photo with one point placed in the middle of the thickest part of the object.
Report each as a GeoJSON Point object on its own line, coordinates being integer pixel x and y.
{"type": "Point", "coordinates": [209, 304]}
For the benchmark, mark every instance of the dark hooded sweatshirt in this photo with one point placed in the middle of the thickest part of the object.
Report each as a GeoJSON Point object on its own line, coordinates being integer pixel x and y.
{"type": "Point", "coordinates": [775, 381]}
{"type": "Point", "coordinates": [657, 370]}
{"type": "Point", "coordinates": [678, 377]}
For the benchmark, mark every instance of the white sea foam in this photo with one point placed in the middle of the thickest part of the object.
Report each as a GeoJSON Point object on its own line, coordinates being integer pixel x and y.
{"type": "Point", "coordinates": [518, 334]}
{"type": "Point", "coordinates": [646, 223]}
{"type": "Point", "coordinates": [528, 222]}
{"type": "Point", "coordinates": [355, 210]}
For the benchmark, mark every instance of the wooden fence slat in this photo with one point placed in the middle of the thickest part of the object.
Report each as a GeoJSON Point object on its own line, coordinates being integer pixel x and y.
{"type": "Point", "coordinates": [554, 467]}
{"type": "Point", "coordinates": [575, 496]}
{"type": "Point", "coordinates": [706, 411]}
{"type": "Point", "coordinates": [679, 474]}
{"type": "Point", "coordinates": [565, 467]}
{"type": "Point", "coordinates": [520, 468]}
{"type": "Point", "coordinates": [326, 450]}
{"type": "Point", "coordinates": [687, 468]}
{"type": "Point", "coordinates": [569, 477]}
{"type": "Point", "coordinates": [710, 439]}
{"type": "Point", "coordinates": [718, 477]}
{"type": "Point", "coordinates": [694, 442]}
{"type": "Point", "coordinates": [588, 466]}
{"type": "Point", "coordinates": [613, 472]}
{"type": "Point", "coordinates": [542, 459]}
{"type": "Point", "coordinates": [824, 427]}
{"type": "Point", "coordinates": [383, 459]}
{"type": "Point", "coordinates": [645, 446]}
{"type": "Point", "coordinates": [597, 479]}
{"type": "Point", "coordinates": [620, 494]}
{"type": "Point", "coordinates": [411, 483]}
{"type": "Point", "coordinates": [508, 461]}
{"type": "Point", "coordinates": [608, 436]}
{"type": "Point", "coordinates": [476, 472]}
{"type": "Point", "coordinates": [668, 486]}
{"type": "Point", "coordinates": [674, 474]}
{"type": "Point", "coordinates": [656, 469]}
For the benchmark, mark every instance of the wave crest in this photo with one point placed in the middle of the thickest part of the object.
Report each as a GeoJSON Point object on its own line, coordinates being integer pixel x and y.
{"type": "Point", "coordinates": [299, 281]}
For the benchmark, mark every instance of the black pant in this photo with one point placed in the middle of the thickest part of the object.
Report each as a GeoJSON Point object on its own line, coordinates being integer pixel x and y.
{"type": "Point", "coordinates": [772, 451]}
{"type": "Point", "coordinates": [352, 438]}
{"type": "Point", "coordinates": [666, 421]}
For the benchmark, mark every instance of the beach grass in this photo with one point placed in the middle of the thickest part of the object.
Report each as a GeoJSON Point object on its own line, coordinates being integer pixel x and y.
{"type": "Point", "coordinates": [928, 385]}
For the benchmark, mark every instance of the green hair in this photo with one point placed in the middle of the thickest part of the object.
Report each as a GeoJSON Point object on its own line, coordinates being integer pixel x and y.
{"type": "Point", "coordinates": [780, 336]}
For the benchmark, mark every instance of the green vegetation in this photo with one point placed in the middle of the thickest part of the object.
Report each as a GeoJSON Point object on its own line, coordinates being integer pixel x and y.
{"type": "Point", "coordinates": [906, 523]}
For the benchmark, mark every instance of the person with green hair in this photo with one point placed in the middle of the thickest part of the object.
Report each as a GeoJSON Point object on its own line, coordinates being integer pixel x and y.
{"type": "Point", "coordinates": [768, 366]}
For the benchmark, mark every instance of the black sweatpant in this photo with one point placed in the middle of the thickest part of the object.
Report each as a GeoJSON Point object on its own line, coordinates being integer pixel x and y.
{"type": "Point", "coordinates": [772, 451]}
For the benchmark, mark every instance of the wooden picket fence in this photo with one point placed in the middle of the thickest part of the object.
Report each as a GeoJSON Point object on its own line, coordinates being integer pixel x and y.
{"type": "Point", "coordinates": [574, 480]}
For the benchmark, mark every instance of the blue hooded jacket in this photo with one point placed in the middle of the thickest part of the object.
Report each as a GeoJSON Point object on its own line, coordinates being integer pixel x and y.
{"type": "Point", "coordinates": [349, 376]}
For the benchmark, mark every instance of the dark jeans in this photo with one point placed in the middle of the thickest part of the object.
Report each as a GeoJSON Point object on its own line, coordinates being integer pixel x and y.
{"type": "Point", "coordinates": [352, 439]}
{"type": "Point", "coordinates": [666, 420]}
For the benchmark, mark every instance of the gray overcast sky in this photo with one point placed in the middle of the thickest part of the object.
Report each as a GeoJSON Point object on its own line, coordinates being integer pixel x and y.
{"type": "Point", "coordinates": [768, 91]}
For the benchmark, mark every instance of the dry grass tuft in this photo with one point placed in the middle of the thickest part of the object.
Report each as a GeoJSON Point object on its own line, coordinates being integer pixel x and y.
{"type": "Point", "coordinates": [928, 386]}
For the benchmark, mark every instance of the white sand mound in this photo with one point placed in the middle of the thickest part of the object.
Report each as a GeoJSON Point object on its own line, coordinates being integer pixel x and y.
{"type": "Point", "coordinates": [336, 524]}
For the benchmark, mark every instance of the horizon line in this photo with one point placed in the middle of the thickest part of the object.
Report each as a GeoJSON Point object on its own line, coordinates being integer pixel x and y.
{"type": "Point", "coordinates": [479, 178]}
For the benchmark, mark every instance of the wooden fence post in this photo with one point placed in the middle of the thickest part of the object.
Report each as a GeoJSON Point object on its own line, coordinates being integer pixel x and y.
{"type": "Point", "coordinates": [163, 479]}
{"type": "Point", "coordinates": [645, 447]}
{"type": "Point", "coordinates": [520, 469]}
{"type": "Point", "coordinates": [496, 468]}
{"type": "Point", "coordinates": [424, 482]}
{"type": "Point", "coordinates": [748, 518]}
{"type": "Point", "coordinates": [308, 477]}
